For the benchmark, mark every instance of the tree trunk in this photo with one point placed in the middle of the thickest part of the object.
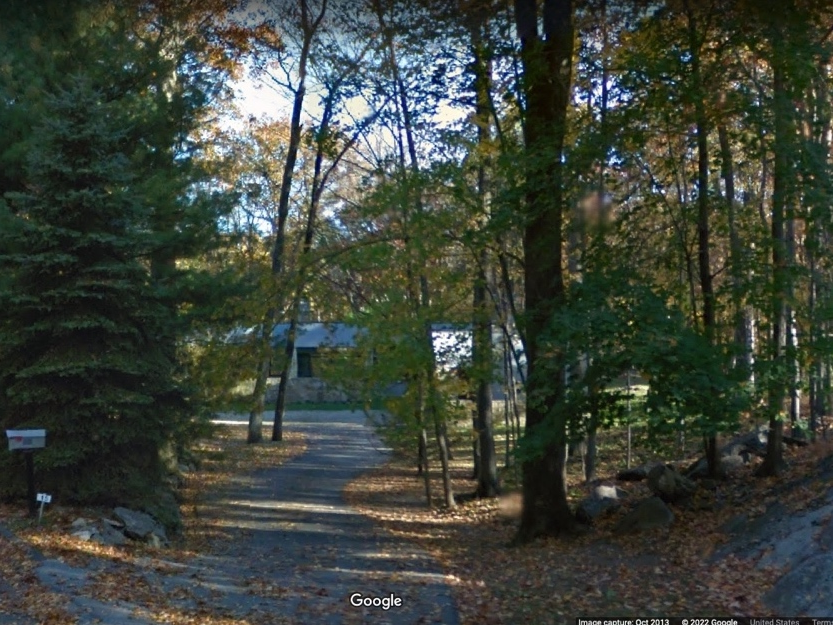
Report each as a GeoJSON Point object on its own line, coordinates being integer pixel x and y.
{"type": "Point", "coordinates": [421, 301]}
{"type": "Point", "coordinates": [629, 435]}
{"type": "Point", "coordinates": [827, 389]}
{"type": "Point", "coordinates": [309, 28]}
{"type": "Point", "coordinates": [818, 133]}
{"type": "Point", "coordinates": [482, 357]}
{"type": "Point", "coordinates": [423, 443]}
{"type": "Point", "coordinates": [319, 179]}
{"type": "Point", "coordinates": [280, 401]}
{"type": "Point", "coordinates": [514, 415]}
{"type": "Point", "coordinates": [433, 405]}
{"type": "Point", "coordinates": [791, 349]}
{"type": "Point", "coordinates": [546, 85]}
{"type": "Point", "coordinates": [817, 395]}
{"type": "Point", "coordinates": [590, 449]}
{"type": "Point", "coordinates": [703, 217]}
{"type": "Point", "coordinates": [773, 463]}
{"type": "Point", "coordinates": [475, 446]}
{"type": "Point", "coordinates": [507, 421]}
{"type": "Point", "coordinates": [741, 313]}
{"type": "Point", "coordinates": [442, 448]}
{"type": "Point", "coordinates": [255, 429]}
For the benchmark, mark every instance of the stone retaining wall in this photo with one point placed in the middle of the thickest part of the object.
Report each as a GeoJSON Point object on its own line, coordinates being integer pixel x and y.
{"type": "Point", "coordinates": [306, 390]}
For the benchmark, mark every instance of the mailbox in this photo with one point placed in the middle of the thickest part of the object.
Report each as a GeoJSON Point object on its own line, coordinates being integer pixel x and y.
{"type": "Point", "coordinates": [23, 440]}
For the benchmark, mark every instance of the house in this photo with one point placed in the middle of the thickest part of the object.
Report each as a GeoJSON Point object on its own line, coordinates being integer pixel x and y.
{"type": "Point", "coordinates": [314, 343]}
{"type": "Point", "coordinates": [311, 341]}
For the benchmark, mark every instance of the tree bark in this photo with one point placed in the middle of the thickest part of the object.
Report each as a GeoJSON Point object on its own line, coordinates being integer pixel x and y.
{"type": "Point", "coordinates": [818, 134]}
{"type": "Point", "coordinates": [423, 444]}
{"type": "Point", "coordinates": [482, 356]}
{"type": "Point", "coordinates": [507, 420]}
{"type": "Point", "coordinates": [791, 337]}
{"type": "Point", "coordinates": [309, 27]}
{"type": "Point", "coordinates": [546, 84]}
{"type": "Point", "coordinates": [255, 429]}
{"type": "Point", "coordinates": [773, 463]}
{"type": "Point", "coordinates": [703, 213]}
{"type": "Point", "coordinates": [318, 181]}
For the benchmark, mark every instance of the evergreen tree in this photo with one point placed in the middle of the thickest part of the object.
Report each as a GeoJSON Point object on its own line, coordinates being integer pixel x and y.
{"type": "Point", "coordinates": [83, 327]}
{"type": "Point", "coordinates": [110, 211]}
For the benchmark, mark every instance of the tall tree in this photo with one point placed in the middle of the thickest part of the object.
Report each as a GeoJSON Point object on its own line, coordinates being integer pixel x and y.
{"type": "Point", "coordinates": [783, 194]}
{"type": "Point", "coordinates": [547, 59]}
{"type": "Point", "coordinates": [110, 181]}
{"type": "Point", "coordinates": [696, 39]}
{"type": "Point", "coordinates": [308, 22]}
{"type": "Point", "coordinates": [83, 328]}
{"type": "Point", "coordinates": [482, 356]}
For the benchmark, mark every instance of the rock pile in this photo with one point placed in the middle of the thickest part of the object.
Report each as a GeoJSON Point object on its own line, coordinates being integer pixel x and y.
{"type": "Point", "coordinates": [735, 454]}
{"type": "Point", "coordinates": [126, 525]}
{"type": "Point", "coordinates": [602, 501]}
{"type": "Point", "coordinates": [648, 515]}
{"type": "Point", "coordinates": [669, 485]}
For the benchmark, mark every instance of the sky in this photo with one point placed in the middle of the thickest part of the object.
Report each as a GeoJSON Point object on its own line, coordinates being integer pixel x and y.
{"type": "Point", "coordinates": [254, 98]}
{"type": "Point", "coordinates": [258, 102]}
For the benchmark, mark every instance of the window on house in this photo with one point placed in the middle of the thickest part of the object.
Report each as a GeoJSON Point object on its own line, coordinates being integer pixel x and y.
{"type": "Point", "coordinates": [305, 356]}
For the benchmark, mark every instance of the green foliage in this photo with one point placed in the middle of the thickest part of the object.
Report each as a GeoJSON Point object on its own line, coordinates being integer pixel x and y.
{"type": "Point", "coordinates": [97, 297]}
{"type": "Point", "coordinates": [83, 328]}
{"type": "Point", "coordinates": [692, 386]}
{"type": "Point", "coordinates": [608, 325]}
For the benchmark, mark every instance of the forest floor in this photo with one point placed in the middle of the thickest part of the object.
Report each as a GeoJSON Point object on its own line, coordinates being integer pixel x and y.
{"type": "Point", "coordinates": [690, 569]}
{"type": "Point", "coordinates": [268, 540]}
{"type": "Point", "coordinates": [286, 532]}
{"type": "Point", "coordinates": [124, 584]}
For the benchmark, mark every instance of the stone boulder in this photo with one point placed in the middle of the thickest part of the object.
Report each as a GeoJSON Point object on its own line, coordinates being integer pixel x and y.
{"type": "Point", "coordinates": [604, 491]}
{"type": "Point", "coordinates": [80, 523]}
{"type": "Point", "coordinates": [649, 514]}
{"type": "Point", "coordinates": [735, 454]}
{"type": "Point", "coordinates": [728, 464]}
{"type": "Point", "coordinates": [85, 534]}
{"type": "Point", "coordinates": [751, 443]}
{"type": "Point", "coordinates": [636, 474]}
{"type": "Point", "coordinates": [127, 525]}
{"type": "Point", "coordinates": [603, 500]}
{"type": "Point", "coordinates": [805, 589]}
{"type": "Point", "coordinates": [109, 535]}
{"type": "Point", "coordinates": [101, 531]}
{"type": "Point", "coordinates": [141, 526]}
{"type": "Point", "coordinates": [669, 485]}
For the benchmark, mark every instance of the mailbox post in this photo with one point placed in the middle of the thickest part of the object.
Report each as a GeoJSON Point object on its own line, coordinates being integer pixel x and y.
{"type": "Point", "coordinates": [27, 441]}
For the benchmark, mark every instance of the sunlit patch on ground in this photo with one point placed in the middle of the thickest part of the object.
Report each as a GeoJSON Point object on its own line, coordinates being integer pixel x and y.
{"type": "Point", "coordinates": [119, 573]}
{"type": "Point", "coordinates": [602, 574]}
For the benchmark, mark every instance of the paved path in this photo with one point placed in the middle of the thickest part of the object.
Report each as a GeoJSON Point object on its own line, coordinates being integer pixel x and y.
{"type": "Point", "coordinates": [297, 552]}
{"type": "Point", "coordinates": [317, 550]}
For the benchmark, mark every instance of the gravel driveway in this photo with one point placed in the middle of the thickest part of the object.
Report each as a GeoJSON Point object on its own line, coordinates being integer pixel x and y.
{"type": "Point", "coordinates": [296, 552]}
{"type": "Point", "coordinates": [295, 530]}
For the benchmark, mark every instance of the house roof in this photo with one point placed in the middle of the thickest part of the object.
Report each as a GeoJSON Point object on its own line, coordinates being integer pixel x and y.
{"type": "Point", "coordinates": [314, 335]}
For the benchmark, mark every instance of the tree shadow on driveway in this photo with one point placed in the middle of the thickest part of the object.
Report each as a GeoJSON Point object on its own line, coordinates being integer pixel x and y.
{"type": "Point", "coordinates": [298, 551]}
